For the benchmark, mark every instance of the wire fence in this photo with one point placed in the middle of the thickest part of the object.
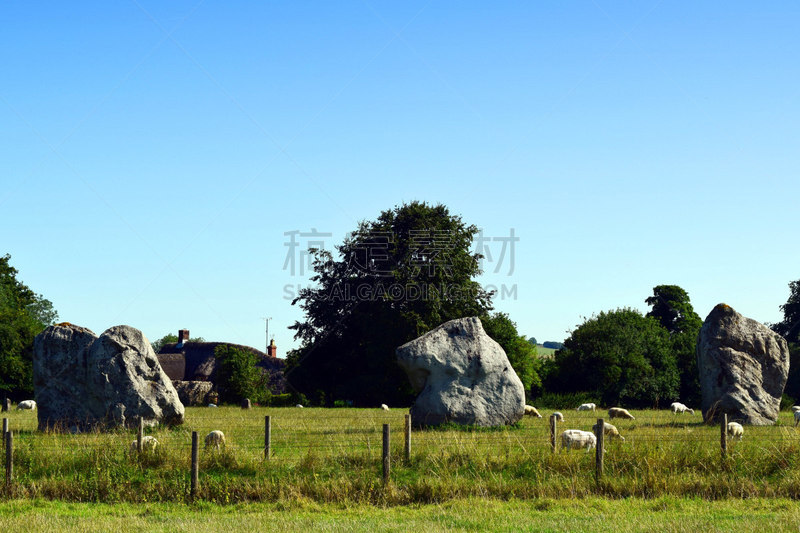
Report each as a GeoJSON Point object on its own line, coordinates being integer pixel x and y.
{"type": "Point", "coordinates": [261, 439]}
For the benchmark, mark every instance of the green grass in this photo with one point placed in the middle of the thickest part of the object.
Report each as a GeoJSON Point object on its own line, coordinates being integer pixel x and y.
{"type": "Point", "coordinates": [545, 353]}
{"type": "Point", "coordinates": [333, 457]}
{"type": "Point", "coordinates": [591, 515]}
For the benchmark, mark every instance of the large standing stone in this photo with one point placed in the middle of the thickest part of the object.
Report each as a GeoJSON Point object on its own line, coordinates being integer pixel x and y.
{"type": "Point", "coordinates": [743, 368]}
{"type": "Point", "coordinates": [463, 376]}
{"type": "Point", "coordinates": [82, 381]}
{"type": "Point", "coordinates": [193, 392]}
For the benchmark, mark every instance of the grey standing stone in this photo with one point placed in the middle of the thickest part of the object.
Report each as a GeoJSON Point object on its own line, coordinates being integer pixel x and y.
{"type": "Point", "coordinates": [82, 381]}
{"type": "Point", "coordinates": [193, 392]}
{"type": "Point", "coordinates": [743, 366]}
{"type": "Point", "coordinates": [462, 376]}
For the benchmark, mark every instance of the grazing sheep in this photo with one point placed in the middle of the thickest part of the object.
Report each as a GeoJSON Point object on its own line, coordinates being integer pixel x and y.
{"type": "Point", "coordinates": [27, 405]}
{"type": "Point", "coordinates": [559, 416]}
{"type": "Point", "coordinates": [212, 405]}
{"type": "Point", "coordinates": [298, 405]}
{"type": "Point", "coordinates": [216, 439]}
{"type": "Point", "coordinates": [531, 411]}
{"type": "Point", "coordinates": [735, 429]}
{"type": "Point", "coordinates": [609, 430]}
{"type": "Point", "coordinates": [575, 438]}
{"type": "Point", "coordinates": [149, 444]}
{"type": "Point", "coordinates": [384, 407]}
{"type": "Point", "coordinates": [619, 412]}
{"type": "Point", "coordinates": [796, 418]}
{"type": "Point", "coordinates": [678, 407]}
{"type": "Point", "coordinates": [795, 408]}
{"type": "Point", "coordinates": [586, 407]}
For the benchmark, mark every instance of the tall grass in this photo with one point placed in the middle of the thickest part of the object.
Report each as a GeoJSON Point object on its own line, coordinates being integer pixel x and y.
{"type": "Point", "coordinates": [334, 455]}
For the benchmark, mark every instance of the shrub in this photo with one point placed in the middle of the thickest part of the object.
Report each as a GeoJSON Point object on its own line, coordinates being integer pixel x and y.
{"type": "Point", "coordinates": [239, 377]}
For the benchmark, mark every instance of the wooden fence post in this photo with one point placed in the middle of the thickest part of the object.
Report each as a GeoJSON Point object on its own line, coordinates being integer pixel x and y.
{"type": "Point", "coordinates": [195, 466]}
{"type": "Point", "coordinates": [600, 448]}
{"type": "Point", "coordinates": [723, 435]}
{"type": "Point", "coordinates": [267, 437]}
{"type": "Point", "coordinates": [9, 456]}
{"type": "Point", "coordinates": [553, 432]}
{"type": "Point", "coordinates": [5, 430]}
{"type": "Point", "coordinates": [6, 404]}
{"type": "Point", "coordinates": [408, 438]}
{"type": "Point", "coordinates": [386, 464]}
{"type": "Point", "coordinates": [139, 435]}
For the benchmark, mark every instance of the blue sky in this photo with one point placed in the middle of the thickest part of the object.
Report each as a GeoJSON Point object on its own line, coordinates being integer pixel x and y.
{"type": "Point", "coordinates": [154, 156]}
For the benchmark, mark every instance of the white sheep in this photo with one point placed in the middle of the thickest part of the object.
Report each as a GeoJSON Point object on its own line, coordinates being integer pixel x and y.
{"type": "Point", "coordinates": [678, 407]}
{"type": "Point", "coordinates": [586, 407]}
{"type": "Point", "coordinates": [735, 429]}
{"type": "Point", "coordinates": [575, 438]}
{"type": "Point", "coordinates": [212, 405]}
{"type": "Point", "coordinates": [558, 416]}
{"type": "Point", "coordinates": [795, 408]}
{"type": "Point", "coordinates": [384, 407]}
{"type": "Point", "coordinates": [298, 405]}
{"type": "Point", "coordinates": [796, 418]}
{"type": "Point", "coordinates": [531, 411]}
{"type": "Point", "coordinates": [27, 405]}
{"type": "Point", "coordinates": [619, 412]}
{"type": "Point", "coordinates": [609, 430]}
{"type": "Point", "coordinates": [149, 444]}
{"type": "Point", "coordinates": [216, 439]}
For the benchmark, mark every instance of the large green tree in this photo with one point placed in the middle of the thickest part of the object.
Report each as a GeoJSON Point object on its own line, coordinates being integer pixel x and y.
{"type": "Point", "coordinates": [671, 307]}
{"type": "Point", "coordinates": [23, 314]}
{"type": "Point", "coordinates": [520, 351]}
{"type": "Point", "coordinates": [393, 279]}
{"type": "Point", "coordinates": [623, 357]}
{"type": "Point", "coordinates": [238, 375]}
{"type": "Point", "coordinates": [789, 328]}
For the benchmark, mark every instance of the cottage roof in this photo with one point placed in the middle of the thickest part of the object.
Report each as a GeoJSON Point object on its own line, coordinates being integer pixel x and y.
{"type": "Point", "coordinates": [201, 363]}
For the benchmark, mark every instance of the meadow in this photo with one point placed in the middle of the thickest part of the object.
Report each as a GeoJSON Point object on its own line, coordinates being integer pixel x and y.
{"type": "Point", "coordinates": [591, 515]}
{"type": "Point", "coordinates": [333, 457]}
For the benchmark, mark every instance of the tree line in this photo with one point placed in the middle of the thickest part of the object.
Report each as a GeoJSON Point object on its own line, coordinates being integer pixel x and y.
{"type": "Point", "coordinates": [401, 275]}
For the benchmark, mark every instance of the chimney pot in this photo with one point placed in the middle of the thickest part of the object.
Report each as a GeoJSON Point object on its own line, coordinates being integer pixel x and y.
{"type": "Point", "coordinates": [183, 336]}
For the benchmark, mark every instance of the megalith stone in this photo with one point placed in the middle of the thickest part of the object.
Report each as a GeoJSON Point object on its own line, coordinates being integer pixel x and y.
{"type": "Point", "coordinates": [462, 376]}
{"type": "Point", "coordinates": [82, 381]}
{"type": "Point", "coordinates": [743, 366]}
{"type": "Point", "coordinates": [193, 392]}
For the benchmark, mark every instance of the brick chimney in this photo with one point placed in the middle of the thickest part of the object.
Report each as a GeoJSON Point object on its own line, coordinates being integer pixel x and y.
{"type": "Point", "coordinates": [272, 350]}
{"type": "Point", "coordinates": [183, 336]}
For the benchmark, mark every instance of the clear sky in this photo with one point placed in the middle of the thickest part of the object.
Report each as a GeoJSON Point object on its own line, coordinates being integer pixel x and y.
{"type": "Point", "coordinates": [155, 157]}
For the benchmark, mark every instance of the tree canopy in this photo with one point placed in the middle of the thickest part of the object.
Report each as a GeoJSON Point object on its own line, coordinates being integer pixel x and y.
{"type": "Point", "coordinates": [394, 279]}
{"type": "Point", "coordinates": [672, 308]}
{"type": "Point", "coordinates": [789, 328]}
{"type": "Point", "coordinates": [520, 351]}
{"type": "Point", "coordinates": [239, 377]}
{"type": "Point", "coordinates": [622, 356]}
{"type": "Point", "coordinates": [23, 314]}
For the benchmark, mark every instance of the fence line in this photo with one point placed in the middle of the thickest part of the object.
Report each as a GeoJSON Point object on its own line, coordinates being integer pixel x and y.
{"type": "Point", "coordinates": [291, 434]}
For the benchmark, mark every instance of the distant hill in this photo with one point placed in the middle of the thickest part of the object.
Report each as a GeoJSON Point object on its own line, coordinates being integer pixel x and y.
{"type": "Point", "coordinates": [545, 352]}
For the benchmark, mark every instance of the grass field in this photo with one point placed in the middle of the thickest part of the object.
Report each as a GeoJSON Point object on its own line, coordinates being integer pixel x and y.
{"type": "Point", "coordinates": [591, 515]}
{"type": "Point", "coordinates": [546, 353]}
{"type": "Point", "coordinates": [333, 457]}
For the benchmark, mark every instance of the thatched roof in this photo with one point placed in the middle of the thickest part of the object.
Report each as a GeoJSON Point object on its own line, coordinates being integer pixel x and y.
{"type": "Point", "coordinates": [199, 363]}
